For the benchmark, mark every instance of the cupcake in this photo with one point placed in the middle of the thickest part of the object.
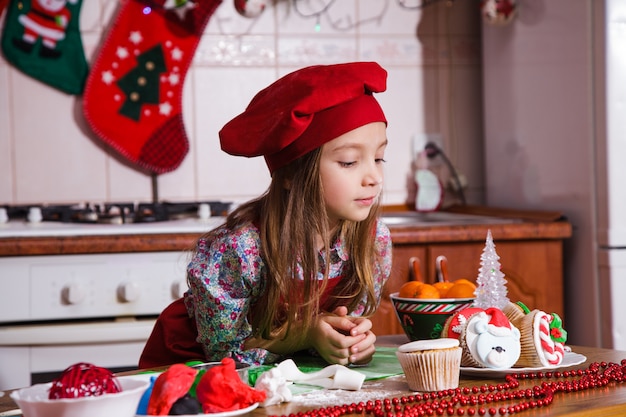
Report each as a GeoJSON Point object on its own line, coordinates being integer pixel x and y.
{"type": "Point", "coordinates": [454, 324]}
{"type": "Point", "coordinates": [542, 339]}
{"type": "Point", "coordinates": [487, 337]}
{"type": "Point", "coordinates": [514, 311]}
{"type": "Point", "coordinates": [431, 365]}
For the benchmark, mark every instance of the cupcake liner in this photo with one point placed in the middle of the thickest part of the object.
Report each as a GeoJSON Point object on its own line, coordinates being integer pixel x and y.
{"type": "Point", "coordinates": [467, 358]}
{"type": "Point", "coordinates": [431, 370]}
{"type": "Point", "coordinates": [529, 355]}
{"type": "Point", "coordinates": [513, 312]}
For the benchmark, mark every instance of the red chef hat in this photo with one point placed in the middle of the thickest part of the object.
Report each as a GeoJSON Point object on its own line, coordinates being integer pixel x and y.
{"type": "Point", "coordinates": [305, 109]}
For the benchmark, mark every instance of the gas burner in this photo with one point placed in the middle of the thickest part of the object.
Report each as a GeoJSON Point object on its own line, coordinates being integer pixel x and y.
{"type": "Point", "coordinates": [116, 213]}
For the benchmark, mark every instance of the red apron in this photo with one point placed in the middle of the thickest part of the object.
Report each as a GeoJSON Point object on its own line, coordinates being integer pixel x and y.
{"type": "Point", "coordinates": [173, 339]}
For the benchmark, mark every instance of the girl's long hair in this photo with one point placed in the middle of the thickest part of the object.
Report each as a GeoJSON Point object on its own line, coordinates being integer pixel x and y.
{"type": "Point", "coordinates": [291, 217]}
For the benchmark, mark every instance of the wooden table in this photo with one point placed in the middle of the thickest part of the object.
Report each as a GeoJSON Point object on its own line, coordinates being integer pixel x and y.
{"type": "Point", "coordinates": [606, 402]}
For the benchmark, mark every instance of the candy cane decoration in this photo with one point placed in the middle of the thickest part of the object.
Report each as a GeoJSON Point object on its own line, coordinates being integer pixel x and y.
{"type": "Point", "coordinates": [553, 351]}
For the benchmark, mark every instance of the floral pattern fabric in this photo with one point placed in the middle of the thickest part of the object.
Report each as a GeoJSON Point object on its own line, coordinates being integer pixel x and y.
{"type": "Point", "coordinates": [226, 277]}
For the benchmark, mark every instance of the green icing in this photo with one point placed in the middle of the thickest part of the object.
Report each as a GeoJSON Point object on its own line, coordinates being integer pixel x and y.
{"type": "Point", "coordinates": [523, 307]}
{"type": "Point", "coordinates": [557, 332]}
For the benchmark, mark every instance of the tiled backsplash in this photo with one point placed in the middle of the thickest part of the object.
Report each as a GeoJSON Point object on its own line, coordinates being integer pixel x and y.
{"type": "Point", "coordinates": [48, 154]}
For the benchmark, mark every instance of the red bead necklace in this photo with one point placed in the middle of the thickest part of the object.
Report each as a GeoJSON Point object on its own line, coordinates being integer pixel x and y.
{"type": "Point", "coordinates": [483, 400]}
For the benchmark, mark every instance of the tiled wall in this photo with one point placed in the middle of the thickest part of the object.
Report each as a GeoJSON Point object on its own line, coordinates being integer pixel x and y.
{"type": "Point", "coordinates": [49, 155]}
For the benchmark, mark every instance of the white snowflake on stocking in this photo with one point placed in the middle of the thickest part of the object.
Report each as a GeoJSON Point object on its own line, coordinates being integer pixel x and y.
{"type": "Point", "coordinates": [491, 286]}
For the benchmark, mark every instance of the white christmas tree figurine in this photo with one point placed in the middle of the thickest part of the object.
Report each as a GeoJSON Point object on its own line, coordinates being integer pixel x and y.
{"type": "Point", "coordinates": [491, 286]}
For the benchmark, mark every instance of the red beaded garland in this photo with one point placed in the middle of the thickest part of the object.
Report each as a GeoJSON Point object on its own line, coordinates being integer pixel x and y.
{"type": "Point", "coordinates": [482, 400]}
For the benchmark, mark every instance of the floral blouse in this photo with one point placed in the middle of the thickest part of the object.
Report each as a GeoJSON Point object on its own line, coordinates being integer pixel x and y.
{"type": "Point", "coordinates": [226, 277]}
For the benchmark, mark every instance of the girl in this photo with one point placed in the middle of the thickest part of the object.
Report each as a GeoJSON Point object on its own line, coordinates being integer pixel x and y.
{"type": "Point", "coordinates": [302, 266]}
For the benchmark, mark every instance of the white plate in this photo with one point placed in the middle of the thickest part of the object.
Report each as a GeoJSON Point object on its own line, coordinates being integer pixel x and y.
{"type": "Point", "coordinates": [569, 359]}
{"type": "Point", "coordinates": [223, 414]}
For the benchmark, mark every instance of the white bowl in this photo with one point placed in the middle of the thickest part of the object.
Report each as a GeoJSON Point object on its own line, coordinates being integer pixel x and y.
{"type": "Point", "coordinates": [34, 402]}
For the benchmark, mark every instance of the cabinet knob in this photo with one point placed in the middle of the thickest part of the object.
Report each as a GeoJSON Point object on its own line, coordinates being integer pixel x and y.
{"type": "Point", "coordinates": [34, 215]}
{"type": "Point", "coordinates": [73, 293]}
{"type": "Point", "coordinates": [129, 292]}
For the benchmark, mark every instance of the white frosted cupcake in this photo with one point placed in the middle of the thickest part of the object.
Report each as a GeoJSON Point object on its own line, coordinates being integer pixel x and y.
{"type": "Point", "coordinates": [490, 340]}
{"type": "Point", "coordinates": [431, 365]}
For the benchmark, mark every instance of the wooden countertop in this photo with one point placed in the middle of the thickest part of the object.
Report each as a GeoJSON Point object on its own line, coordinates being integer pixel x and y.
{"type": "Point", "coordinates": [606, 401]}
{"type": "Point", "coordinates": [524, 225]}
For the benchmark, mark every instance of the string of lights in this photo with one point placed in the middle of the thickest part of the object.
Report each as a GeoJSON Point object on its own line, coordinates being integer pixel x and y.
{"type": "Point", "coordinates": [319, 10]}
{"type": "Point", "coordinates": [316, 9]}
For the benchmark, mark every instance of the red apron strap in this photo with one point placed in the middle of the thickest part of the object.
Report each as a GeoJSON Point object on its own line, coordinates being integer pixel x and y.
{"type": "Point", "coordinates": [173, 339]}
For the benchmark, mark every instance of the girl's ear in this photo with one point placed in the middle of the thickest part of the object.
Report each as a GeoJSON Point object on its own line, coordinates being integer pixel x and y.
{"type": "Point", "coordinates": [287, 184]}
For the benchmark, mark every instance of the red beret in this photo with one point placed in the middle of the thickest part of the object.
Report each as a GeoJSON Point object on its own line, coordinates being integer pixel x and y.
{"type": "Point", "coordinates": [305, 109]}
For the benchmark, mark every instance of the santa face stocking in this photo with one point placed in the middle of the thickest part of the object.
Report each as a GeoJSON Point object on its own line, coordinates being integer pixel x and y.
{"type": "Point", "coordinates": [42, 39]}
{"type": "Point", "coordinates": [133, 95]}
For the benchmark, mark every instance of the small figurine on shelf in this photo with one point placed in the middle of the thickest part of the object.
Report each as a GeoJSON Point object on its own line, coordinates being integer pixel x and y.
{"type": "Point", "coordinates": [491, 286]}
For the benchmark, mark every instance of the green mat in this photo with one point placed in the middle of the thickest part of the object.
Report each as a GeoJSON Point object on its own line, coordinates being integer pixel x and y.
{"type": "Point", "coordinates": [383, 365]}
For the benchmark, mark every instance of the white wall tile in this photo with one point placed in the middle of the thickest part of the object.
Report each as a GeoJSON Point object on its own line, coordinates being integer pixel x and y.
{"type": "Point", "coordinates": [386, 18]}
{"type": "Point", "coordinates": [7, 179]}
{"type": "Point", "coordinates": [236, 57]}
{"type": "Point", "coordinates": [54, 161]}
{"type": "Point", "coordinates": [314, 50]}
{"type": "Point", "coordinates": [220, 95]}
{"type": "Point", "coordinates": [393, 50]}
{"type": "Point", "coordinates": [314, 17]}
{"type": "Point", "coordinates": [232, 50]}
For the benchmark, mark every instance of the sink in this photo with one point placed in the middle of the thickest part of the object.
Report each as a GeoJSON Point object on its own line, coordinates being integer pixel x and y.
{"type": "Point", "coordinates": [439, 218]}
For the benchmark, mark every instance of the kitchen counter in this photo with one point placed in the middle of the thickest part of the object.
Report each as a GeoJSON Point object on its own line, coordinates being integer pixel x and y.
{"type": "Point", "coordinates": [528, 243]}
{"type": "Point", "coordinates": [65, 239]}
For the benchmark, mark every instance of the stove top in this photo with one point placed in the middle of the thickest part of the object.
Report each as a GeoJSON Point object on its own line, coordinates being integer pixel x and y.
{"type": "Point", "coordinates": [114, 213]}
{"type": "Point", "coordinates": [47, 229]}
{"type": "Point", "coordinates": [111, 218]}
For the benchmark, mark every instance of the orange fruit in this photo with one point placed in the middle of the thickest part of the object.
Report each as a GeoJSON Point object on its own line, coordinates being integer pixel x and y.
{"type": "Point", "coordinates": [409, 289]}
{"type": "Point", "coordinates": [461, 289]}
{"type": "Point", "coordinates": [464, 280]}
{"type": "Point", "coordinates": [427, 291]}
{"type": "Point", "coordinates": [443, 287]}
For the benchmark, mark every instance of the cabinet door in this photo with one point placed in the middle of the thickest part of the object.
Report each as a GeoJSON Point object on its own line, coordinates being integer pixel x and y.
{"type": "Point", "coordinates": [533, 269]}
{"type": "Point", "coordinates": [385, 320]}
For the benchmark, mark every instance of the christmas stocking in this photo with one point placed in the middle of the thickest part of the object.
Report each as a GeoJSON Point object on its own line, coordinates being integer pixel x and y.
{"type": "Point", "coordinates": [42, 39]}
{"type": "Point", "coordinates": [133, 95]}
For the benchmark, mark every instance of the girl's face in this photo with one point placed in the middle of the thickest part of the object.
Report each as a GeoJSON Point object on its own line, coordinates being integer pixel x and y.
{"type": "Point", "coordinates": [351, 170]}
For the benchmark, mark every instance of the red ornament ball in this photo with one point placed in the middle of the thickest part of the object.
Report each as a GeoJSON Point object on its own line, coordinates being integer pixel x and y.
{"type": "Point", "coordinates": [84, 380]}
{"type": "Point", "coordinates": [250, 8]}
{"type": "Point", "coordinates": [498, 12]}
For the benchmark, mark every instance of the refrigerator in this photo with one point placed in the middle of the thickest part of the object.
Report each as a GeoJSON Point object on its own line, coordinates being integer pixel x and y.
{"type": "Point", "coordinates": [555, 138]}
{"type": "Point", "coordinates": [611, 174]}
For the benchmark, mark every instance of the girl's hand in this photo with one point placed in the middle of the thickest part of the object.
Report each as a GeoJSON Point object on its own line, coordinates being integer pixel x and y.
{"type": "Point", "coordinates": [341, 339]}
{"type": "Point", "coordinates": [363, 351]}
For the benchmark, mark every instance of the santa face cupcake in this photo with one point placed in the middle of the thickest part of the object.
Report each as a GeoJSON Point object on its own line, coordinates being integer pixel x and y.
{"type": "Point", "coordinates": [431, 365]}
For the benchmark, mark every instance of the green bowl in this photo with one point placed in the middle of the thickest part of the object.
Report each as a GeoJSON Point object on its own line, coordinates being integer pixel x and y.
{"type": "Point", "coordinates": [424, 318]}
